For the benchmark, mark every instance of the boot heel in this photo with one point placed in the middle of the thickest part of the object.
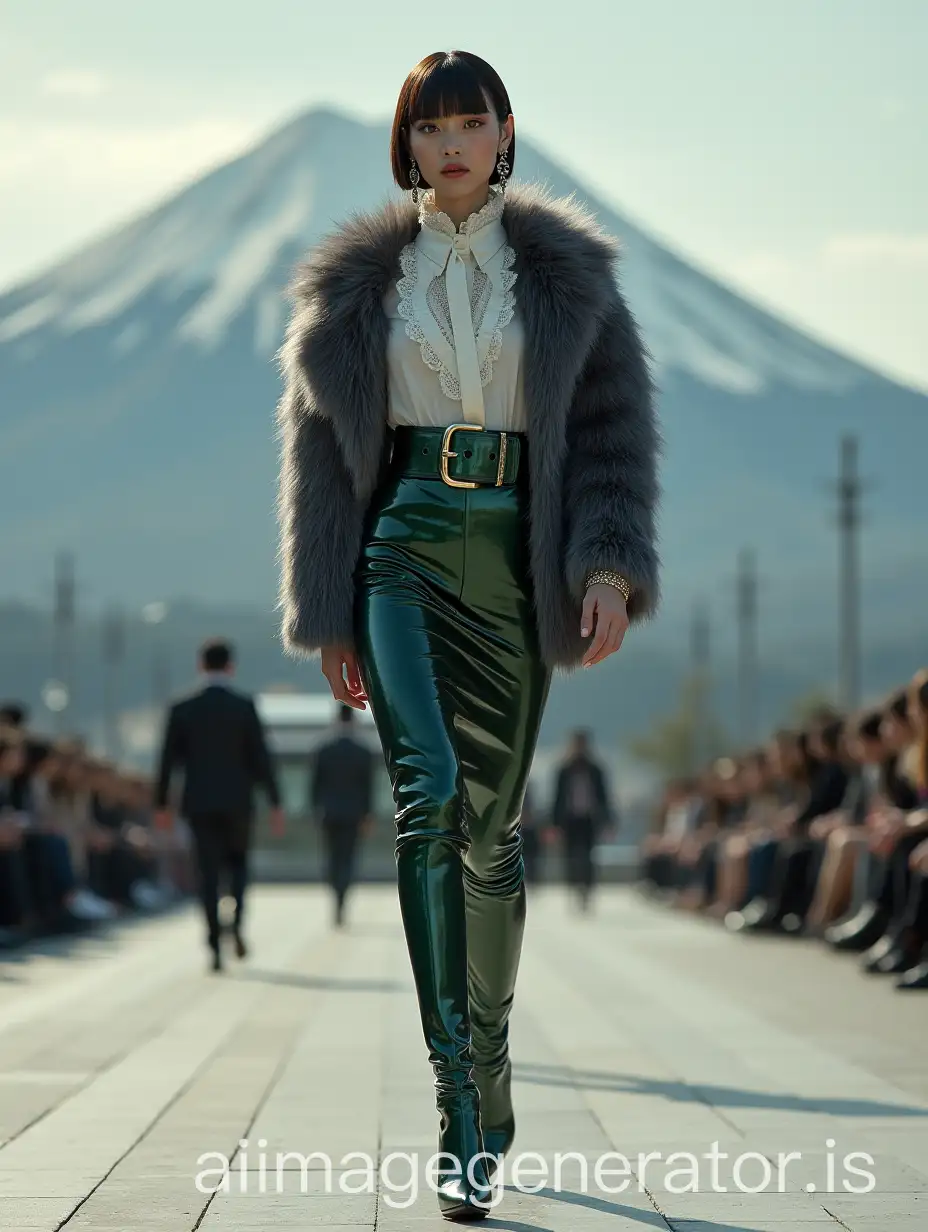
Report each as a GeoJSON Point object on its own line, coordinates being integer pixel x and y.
{"type": "Point", "coordinates": [464, 1189]}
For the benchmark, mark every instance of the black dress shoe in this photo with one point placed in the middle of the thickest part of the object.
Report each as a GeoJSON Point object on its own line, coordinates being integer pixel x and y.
{"type": "Point", "coordinates": [216, 962]}
{"type": "Point", "coordinates": [755, 911]}
{"type": "Point", "coordinates": [756, 915]}
{"type": "Point", "coordinates": [916, 977]}
{"type": "Point", "coordinates": [860, 931]}
{"type": "Point", "coordinates": [899, 958]}
{"type": "Point", "coordinates": [880, 948]}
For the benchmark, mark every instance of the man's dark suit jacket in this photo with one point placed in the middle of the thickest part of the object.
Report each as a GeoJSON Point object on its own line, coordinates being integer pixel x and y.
{"type": "Point", "coordinates": [560, 811]}
{"type": "Point", "coordinates": [342, 780]}
{"type": "Point", "coordinates": [216, 737]}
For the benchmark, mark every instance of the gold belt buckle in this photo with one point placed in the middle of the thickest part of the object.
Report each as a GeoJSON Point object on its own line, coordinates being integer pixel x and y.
{"type": "Point", "coordinates": [447, 453]}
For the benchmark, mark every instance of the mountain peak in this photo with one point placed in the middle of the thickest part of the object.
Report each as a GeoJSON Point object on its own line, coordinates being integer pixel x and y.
{"type": "Point", "coordinates": [221, 250]}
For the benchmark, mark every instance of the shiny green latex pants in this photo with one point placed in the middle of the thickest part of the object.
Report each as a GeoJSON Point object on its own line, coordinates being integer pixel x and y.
{"type": "Point", "coordinates": [449, 656]}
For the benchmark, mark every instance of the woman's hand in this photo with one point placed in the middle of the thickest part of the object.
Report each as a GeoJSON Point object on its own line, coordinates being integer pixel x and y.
{"type": "Point", "coordinates": [606, 618]}
{"type": "Point", "coordinates": [335, 658]}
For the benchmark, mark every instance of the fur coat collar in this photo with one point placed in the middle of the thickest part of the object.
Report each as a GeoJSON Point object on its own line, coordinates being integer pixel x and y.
{"type": "Point", "coordinates": [586, 383]}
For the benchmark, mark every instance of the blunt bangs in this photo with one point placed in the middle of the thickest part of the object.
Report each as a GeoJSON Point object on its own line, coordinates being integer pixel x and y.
{"type": "Point", "coordinates": [450, 87]}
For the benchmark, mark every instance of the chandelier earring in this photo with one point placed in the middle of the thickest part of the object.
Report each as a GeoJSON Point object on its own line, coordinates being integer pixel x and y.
{"type": "Point", "coordinates": [502, 170]}
{"type": "Point", "coordinates": [414, 180]}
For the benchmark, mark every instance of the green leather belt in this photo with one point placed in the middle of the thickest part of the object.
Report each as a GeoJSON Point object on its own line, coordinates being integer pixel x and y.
{"type": "Point", "coordinates": [485, 457]}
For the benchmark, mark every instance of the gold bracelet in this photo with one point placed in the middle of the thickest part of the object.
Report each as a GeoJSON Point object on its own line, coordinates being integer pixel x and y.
{"type": "Point", "coordinates": [612, 579]}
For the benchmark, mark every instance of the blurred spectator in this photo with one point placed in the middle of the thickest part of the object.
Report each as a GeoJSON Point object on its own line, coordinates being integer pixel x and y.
{"type": "Point", "coordinates": [341, 794]}
{"type": "Point", "coordinates": [821, 776]}
{"type": "Point", "coordinates": [582, 813]}
{"type": "Point", "coordinates": [893, 798]}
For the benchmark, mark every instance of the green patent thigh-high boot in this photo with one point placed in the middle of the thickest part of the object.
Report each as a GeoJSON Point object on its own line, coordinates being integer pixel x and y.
{"type": "Point", "coordinates": [432, 906]}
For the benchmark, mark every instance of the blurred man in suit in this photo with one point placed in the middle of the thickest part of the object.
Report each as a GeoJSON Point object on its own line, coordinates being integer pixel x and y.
{"type": "Point", "coordinates": [341, 796]}
{"type": "Point", "coordinates": [582, 812]}
{"type": "Point", "coordinates": [215, 736]}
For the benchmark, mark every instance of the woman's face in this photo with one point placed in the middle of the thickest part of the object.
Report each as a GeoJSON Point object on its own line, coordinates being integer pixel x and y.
{"type": "Point", "coordinates": [867, 749]}
{"type": "Point", "coordinates": [472, 141]}
{"type": "Point", "coordinates": [753, 778]}
{"type": "Point", "coordinates": [896, 732]}
{"type": "Point", "coordinates": [13, 761]}
{"type": "Point", "coordinates": [817, 746]}
{"type": "Point", "coordinates": [916, 710]}
{"type": "Point", "coordinates": [49, 767]}
{"type": "Point", "coordinates": [783, 758]}
{"type": "Point", "coordinates": [75, 774]}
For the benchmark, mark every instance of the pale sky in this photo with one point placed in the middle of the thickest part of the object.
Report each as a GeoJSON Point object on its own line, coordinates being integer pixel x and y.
{"type": "Point", "coordinates": [778, 144]}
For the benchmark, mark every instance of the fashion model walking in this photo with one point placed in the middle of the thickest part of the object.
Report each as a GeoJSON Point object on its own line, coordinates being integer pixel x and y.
{"type": "Point", "coordinates": [467, 505]}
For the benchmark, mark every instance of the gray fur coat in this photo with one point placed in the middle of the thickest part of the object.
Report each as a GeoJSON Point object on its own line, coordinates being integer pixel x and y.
{"type": "Point", "coordinates": [593, 437]}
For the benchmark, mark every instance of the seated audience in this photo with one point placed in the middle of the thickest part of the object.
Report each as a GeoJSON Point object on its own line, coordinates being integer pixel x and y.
{"type": "Point", "coordinates": [76, 841]}
{"type": "Point", "coordinates": [823, 832]}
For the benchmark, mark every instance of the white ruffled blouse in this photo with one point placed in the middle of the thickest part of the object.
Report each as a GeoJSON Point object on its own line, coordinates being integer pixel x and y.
{"type": "Point", "coordinates": [455, 344]}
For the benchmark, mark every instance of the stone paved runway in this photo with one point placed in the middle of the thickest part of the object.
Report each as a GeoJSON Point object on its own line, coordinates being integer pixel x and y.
{"type": "Point", "coordinates": [130, 1077]}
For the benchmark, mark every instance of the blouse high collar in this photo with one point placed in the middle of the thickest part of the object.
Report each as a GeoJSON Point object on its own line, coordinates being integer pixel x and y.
{"type": "Point", "coordinates": [482, 234]}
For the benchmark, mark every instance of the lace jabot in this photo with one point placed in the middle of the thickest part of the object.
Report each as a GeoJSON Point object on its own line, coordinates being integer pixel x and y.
{"type": "Point", "coordinates": [456, 296]}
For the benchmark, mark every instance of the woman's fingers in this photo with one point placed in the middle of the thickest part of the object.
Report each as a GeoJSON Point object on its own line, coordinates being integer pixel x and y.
{"type": "Point", "coordinates": [332, 669]}
{"type": "Point", "coordinates": [603, 641]}
{"type": "Point", "coordinates": [610, 633]}
{"type": "Point", "coordinates": [600, 636]}
{"type": "Point", "coordinates": [355, 684]}
{"type": "Point", "coordinates": [588, 615]}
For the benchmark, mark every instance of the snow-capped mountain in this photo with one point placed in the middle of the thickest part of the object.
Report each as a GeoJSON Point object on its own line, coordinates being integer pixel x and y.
{"type": "Point", "coordinates": [137, 390]}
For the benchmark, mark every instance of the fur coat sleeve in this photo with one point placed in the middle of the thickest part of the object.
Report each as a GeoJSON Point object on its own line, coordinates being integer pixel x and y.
{"type": "Point", "coordinates": [316, 590]}
{"type": "Point", "coordinates": [611, 486]}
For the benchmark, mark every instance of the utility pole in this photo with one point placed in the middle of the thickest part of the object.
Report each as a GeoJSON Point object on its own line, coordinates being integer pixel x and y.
{"type": "Point", "coordinates": [849, 488]}
{"type": "Point", "coordinates": [700, 657]}
{"type": "Point", "coordinates": [155, 614]}
{"type": "Point", "coordinates": [699, 638]}
{"type": "Point", "coordinates": [747, 647]}
{"type": "Point", "coordinates": [114, 650]}
{"type": "Point", "coordinates": [64, 621]}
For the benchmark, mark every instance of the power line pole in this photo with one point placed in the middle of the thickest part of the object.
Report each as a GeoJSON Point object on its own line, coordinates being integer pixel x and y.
{"type": "Point", "coordinates": [63, 624]}
{"type": "Point", "coordinates": [747, 646]}
{"type": "Point", "coordinates": [114, 650]}
{"type": "Point", "coordinates": [155, 614]}
{"type": "Point", "coordinates": [700, 657]}
{"type": "Point", "coordinates": [849, 488]}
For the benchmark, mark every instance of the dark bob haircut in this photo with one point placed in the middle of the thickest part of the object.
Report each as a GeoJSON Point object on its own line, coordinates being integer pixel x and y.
{"type": "Point", "coordinates": [443, 84]}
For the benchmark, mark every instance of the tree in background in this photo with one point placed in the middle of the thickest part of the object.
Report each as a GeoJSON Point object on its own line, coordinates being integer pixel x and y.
{"type": "Point", "coordinates": [811, 707]}
{"type": "Point", "coordinates": [686, 740]}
